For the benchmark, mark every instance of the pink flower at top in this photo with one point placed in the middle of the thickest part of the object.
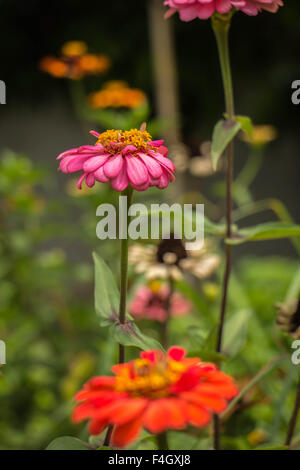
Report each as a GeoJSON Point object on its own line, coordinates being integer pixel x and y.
{"type": "Point", "coordinates": [203, 9]}
{"type": "Point", "coordinates": [123, 158]}
{"type": "Point", "coordinates": [151, 302]}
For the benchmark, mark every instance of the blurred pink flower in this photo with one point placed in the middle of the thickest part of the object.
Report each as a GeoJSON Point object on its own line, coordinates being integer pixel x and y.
{"type": "Point", "coordinates": [152, 302]}
{"type": "Point", "coordinates": [123, 158]}
{"type": "Point", "coordinates": [203, 9]}
{"type": "Point", "coordinates": [253, 7]}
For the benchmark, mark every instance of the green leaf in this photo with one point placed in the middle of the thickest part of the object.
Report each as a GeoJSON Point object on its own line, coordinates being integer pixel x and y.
{"type": "Point", "coordinates": [259, 376]}
{"type": "Point", "coordinates": [107, 297]}
{"type": "Point", "coordinates": [67, 443]}
{"type": "Point", "coordinates": [130, 335]}
{"type": "Point", "coordinates": [224, 132]}
{"type": "Point", "coordinates": [235, 331]}
{"type": "Point", "coordinates": [208, 355]}
{"type": "Point", "coordinates": [267, 231]}
{"type": "Point", "coordinates": [246, 124]}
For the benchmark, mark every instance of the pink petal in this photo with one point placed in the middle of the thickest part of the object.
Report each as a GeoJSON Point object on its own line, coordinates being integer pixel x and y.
{"type": "Point", "coordinates": [71, 164]}
{"type": "Point", "coordinates": [79, 183]}
{"type": "Point", "coordinates": [163, 150]}
{"type": "Point", "coordinates": [100, 176]}
{"type": "Point", "coordinates": [128, 149]}
{"type": "Point", "coordinates": [166, 162]}
{"type": "Point", "coordinates": [163, 180]}
{"type": "Point", "coordinates": [154, 168]}
{"type": "Point", "coordinates": [113, 166]}
{"type": "Point", "coordinates": [90, 180]}
{"type": "Point", "coordinates": [156, 143]}
{"type": "Point", "coordinates": [120, 182]}
{"type": "Point", "coordinates": [136, 171]}
{"type": "Point", "coordinates": [142, 187]}
{"type": "Point", "coordinates": [93, 163]}
{"type": "Point", "coordinates": [95, 134]}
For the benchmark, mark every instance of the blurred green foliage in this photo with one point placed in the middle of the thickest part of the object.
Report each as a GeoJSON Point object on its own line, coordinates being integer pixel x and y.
{"type": "Point", "coordinates": [54, 342]}
{"type": "Point", "coordinates": [51, 340]}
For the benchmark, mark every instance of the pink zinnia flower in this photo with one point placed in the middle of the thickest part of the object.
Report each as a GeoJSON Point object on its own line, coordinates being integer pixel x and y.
{"type": "Point", "coordinates": [123, 158]}
{"type": "Point", "coordinates": [203, 9]}
{"type": "Point", "coordinates": [151, 302]}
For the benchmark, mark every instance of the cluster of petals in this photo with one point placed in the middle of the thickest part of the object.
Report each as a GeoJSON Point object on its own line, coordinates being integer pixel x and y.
{"type": "Point", "coordinates": [122, 158]}
{"type": "Point", "coordinates": [158, 391]}
{"type": "Point", "coordinates": [75, 62]}
{"type": "Point", "coordinates": [153, 304]}
{"type": "Point", "coordinates": [203, 9]}
{"type": "Point", "coordinates": [117, 94]}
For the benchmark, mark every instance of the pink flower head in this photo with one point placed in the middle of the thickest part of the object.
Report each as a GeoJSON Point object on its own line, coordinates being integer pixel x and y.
{"type": "Point", "coordinates": [151, 302]}
{"type": "Point", "coordinates": [123, 158]}
{"type": "Point", "coordinates": [203, 9]}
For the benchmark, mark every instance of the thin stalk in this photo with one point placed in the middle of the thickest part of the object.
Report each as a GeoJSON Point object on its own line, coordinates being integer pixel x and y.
{"type": "Point", "coordinates": [162, 441]}
{"type": "Point", "coordinates": [165, 324]}
{"type": "Point", "coordinates": [221, 26]}
{"type": "Point", "coordinates": [293, 420]}
{"type": "Point", "coordinates": [124, 275]}
{"type": "Point", "coordinates": [123, 291]}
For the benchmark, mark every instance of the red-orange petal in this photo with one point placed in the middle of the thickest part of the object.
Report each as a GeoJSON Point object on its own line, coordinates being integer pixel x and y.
{"type": "Point", "coordinates": [176, 353]}
{"type": "Point", "coordinates": [126, 433]}
{"type": "Point", "coordinates": [165, 413]}
{"type": "Point", "coordinates": [105, 381]}
{"type": "Point", "coordinates": [175, 409]}
{"type": "Point", "coordinates": [198, 416]}
{"type": "Point", "coordinates": [128, 411]}
{"type": "Point", "coordinates": [155, 419]}
{"type": "Point", "coordinates": [226, 390]}
{"type": "Point", "coordinates": [97, 425]}
{"type": "Point", "coordinates": [82, 411]}
{"type": "Point", "coordinates": [211, 401]}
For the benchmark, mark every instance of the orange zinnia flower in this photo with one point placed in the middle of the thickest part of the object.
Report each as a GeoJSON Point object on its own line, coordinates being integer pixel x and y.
{"type": "Point", "coordinates": [75, 62]}
{"type": "Point", "coordinates": [117, 94]}
{"type": "Point", "coordinates": [158, 392]}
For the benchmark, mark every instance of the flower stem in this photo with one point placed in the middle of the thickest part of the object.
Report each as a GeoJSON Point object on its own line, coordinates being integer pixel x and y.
{"type": "Point", "coordinates": [124, 274]}
{"type": "Point", "coordinates": [165, 324]}
{"type": "Point", "coordinates": [293, 420]}
{"type": "Point", "coordinates": [162, 441]}
{"type": "Point", "coordinates": [123, 292]}
{"type": "Point", "coordinates": [221, 26]}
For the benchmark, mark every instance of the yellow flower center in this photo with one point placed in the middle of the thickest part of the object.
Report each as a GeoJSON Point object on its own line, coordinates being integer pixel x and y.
{"type": "Point", "coordinates": [155, 286]}
{"type": "Point", "coordinates": [146, 379]}
{"type": "Point", "coordinates": [133, 137]}
{"type": "Point", "coordinates": [74, 48]}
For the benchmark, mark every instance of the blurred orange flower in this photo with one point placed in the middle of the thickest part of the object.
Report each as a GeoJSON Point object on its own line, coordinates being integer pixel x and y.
{"type": "Point", "coordinates": [75, 62]}
{"type": "Point", "coordinates": [157, 391]}
{"type": "Point", "coordinates": [117, 94]}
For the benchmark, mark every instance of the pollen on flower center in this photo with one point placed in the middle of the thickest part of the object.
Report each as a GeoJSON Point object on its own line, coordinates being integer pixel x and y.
{"type": "Point", "coordinates": [148, 379]}
{"type": "Point", "coordinates": [135, 137]}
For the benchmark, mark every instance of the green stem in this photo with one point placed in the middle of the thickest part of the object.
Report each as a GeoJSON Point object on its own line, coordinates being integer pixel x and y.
{"type": "Point", "coordinates": [221, 26]}
{"type": "Point", "coordinates": [123, 291]}
{"type": "Point", "coordinates": [124, 274]}
{"type": "Point", "coordinates": [165, 324]}
{"type": "Point", "coordinates": [162, 441]}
